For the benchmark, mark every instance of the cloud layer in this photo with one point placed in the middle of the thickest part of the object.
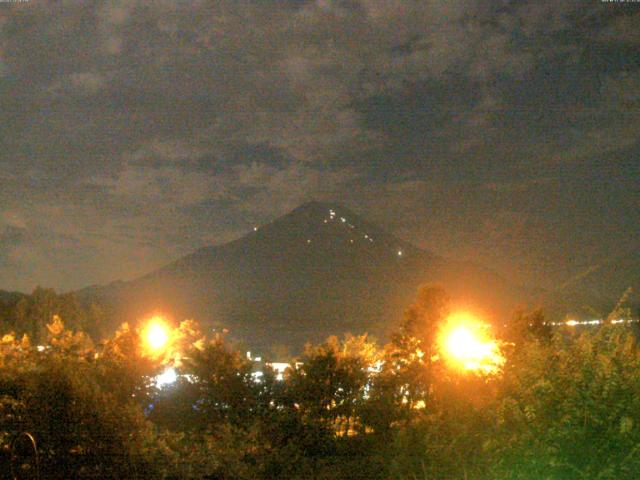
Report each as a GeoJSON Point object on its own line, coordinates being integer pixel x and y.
{"type": "Point", "coordinates": [134, 132]}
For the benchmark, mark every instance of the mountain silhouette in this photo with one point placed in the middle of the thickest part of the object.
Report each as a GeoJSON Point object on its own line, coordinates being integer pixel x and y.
{"type": "Point", "coordinates": [595, 291]}
{"type": "Point", "coordinates": [7, 297]}
{"type": "Point", "coordinates": [319, 270]}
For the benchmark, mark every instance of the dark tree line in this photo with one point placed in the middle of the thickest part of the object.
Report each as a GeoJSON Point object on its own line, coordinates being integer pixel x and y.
{"type": "Point", "coordinates": [30, 314]}
{"type": "Point", "coordinates": [565, 405]}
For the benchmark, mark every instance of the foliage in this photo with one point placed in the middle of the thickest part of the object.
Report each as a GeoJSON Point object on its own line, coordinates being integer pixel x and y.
{"type": "Point", "coordinates": [30, 314]}
{"type": "Point", "coordinates": [330, 385]}
{"type": "Point", "coordinates": [408, 367]}
{"type": "Point", "coordinates": [62, 396]}
{"type": "Point", "coordinates": [570, 409]}
{"type": "Point", "coordinates": [565, 406]}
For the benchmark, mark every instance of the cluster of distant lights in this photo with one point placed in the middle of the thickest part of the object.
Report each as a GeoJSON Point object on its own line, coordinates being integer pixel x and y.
{"type": "Point", "coordinates": [169, 376]}
{"type": "Point", "coordinates": [575, 323]}
{"type": "Point", "coordinates": [156, 337]}
{"type": "Point", "coordinates": [333, 216]}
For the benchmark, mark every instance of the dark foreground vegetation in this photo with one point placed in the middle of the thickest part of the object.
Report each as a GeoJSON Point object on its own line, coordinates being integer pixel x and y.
{"type": "Point", "coordinates": [565, 405]}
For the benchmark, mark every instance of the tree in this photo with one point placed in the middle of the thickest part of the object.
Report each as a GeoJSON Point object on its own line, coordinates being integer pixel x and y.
{"type": "Point", "coordinates": [223, 383]}
{"type": "Point", "coordinates": [31, 313]}
{"type": "Point", "coordinates": [432, 417]}
{"type": "Point", "coordinates": [406, 379]}
{"type": "Point", "coordinates": [62, 396]}
{"type": "Point", "coordinates": [569, 409]}
{"type": "Point", "coordinates": [331, 384]}
{"type": "Point", "coordinates": [424, 316]}
{"type": "Point", "coordinates": [527, 326]}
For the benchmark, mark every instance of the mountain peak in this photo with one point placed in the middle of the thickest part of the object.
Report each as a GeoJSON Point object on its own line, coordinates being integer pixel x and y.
{"type": "Point", "coordinates": [312, 205]}
{"type": "Point", "coordinates": [318, 270]}
{"type": "Point", "coordinates": [315, 207]}
{"type": "Point", "coordinates": [316, 236]}
{"type": "Point", "coordinates": [331, 224]}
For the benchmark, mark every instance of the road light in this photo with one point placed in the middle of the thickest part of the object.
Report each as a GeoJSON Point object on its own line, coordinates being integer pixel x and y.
{"type": "Point", "coordinates": [467, 345]}
{"type": "Point", "coordinates": [168, 377]}
{"type": "Point", "coordinates": [155, 335]}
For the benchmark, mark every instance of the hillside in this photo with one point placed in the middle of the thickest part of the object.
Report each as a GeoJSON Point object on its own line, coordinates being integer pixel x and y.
{"type": "Point", "coordinates": [9, 298]}
{"type": "Point", "coordinates": [596, 291]}
{"type": "Point", "coordinates": [319, 270]}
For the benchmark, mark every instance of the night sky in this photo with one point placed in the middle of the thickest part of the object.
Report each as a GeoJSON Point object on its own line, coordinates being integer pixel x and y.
{"type": "Point", "coordinates": [134, 132]}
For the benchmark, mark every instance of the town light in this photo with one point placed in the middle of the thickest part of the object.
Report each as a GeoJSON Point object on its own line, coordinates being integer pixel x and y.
{"type": "Point", "coordinates": [168, 377]}
{"type": "Point", "coordinates": [467, 345]}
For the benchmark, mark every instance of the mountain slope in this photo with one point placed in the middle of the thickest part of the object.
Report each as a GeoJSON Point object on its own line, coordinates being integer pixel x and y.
{"type": "Point", "coordinates": [319, 270]}
{"type": "Point", "coordinates": [596, 291]}
{"type": "Point", "coordinates": [9, 298]}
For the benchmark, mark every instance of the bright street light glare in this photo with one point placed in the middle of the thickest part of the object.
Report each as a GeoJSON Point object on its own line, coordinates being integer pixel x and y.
{"type": "Point", "coordinates": [168, 377]}
{"type": "Point", "coordinates": [467, 345]}
{"type": "Point", "coordinates": [156, 334]}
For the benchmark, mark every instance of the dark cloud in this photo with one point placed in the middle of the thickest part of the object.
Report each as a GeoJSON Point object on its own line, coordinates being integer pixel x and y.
{"type": "Point", "coordinates": [10, 237]}
{"type": "Point", "coordinates": [133, 132]}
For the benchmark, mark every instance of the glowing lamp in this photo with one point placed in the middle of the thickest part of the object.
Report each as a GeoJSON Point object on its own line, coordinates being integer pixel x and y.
{"type": "Point", "coordinates": [467, 345]}
{"type": "Point", "coordinates": [156, 335]}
